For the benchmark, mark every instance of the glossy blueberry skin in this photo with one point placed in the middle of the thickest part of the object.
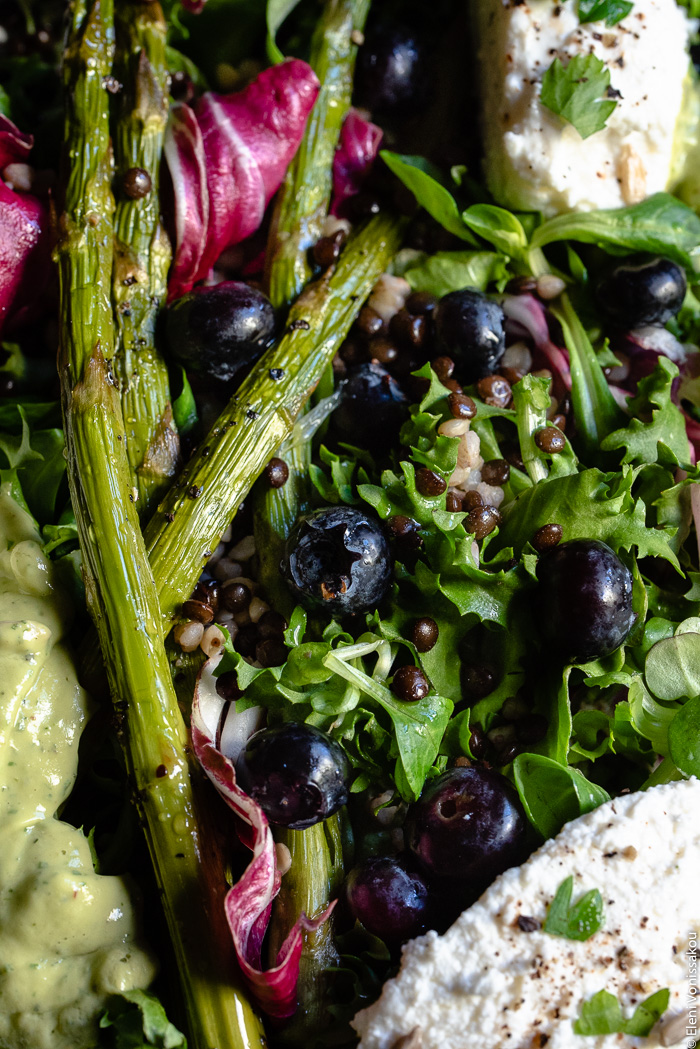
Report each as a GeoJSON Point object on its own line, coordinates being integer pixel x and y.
{"type": "Point", "coordinates": [639, 292]}
{"type": "Point", "coordinates": [218, 331]}
{"type": "Point", "coordinates": [468, 825]}
{"type": "Point", "coordinates": [296, 773]}
{"type": "Point", "coordinates": [469, 328]}
{"type": "Point", "coordinates": [392, 76]}
{"type": "Point", "coordinates": [338, 560]}
{"type": "Point", "coordinates": [388, 898]}
{"type": "Point", "coordinates": [372, 408]}
{"type": "Point", "coordinates": [584, 600]}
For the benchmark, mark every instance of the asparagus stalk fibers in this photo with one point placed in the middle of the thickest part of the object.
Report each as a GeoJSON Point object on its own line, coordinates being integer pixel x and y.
{"type": "Point", "coordinates": [302, 205]}
{"type": "Point", "coordinates": [142, 250]}
{"type": "Point", "coordinates": [260, 416]}
{"type": "Point", "coordinates": [120, 589]}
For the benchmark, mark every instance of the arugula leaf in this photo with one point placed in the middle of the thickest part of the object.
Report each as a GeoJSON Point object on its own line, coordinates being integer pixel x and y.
{"type": "Point", "coordinates": [577, 922]}
{"type": "Point", "coordinates": [577, 91]}
{"type": "Point", "coordinates": [552, 794]}
{"type": "Point", "coordinates": [448, 271]}
{"type": "Point", "coordinates": [684, 738]}
{"type": "Point", "coordinates": [659, 225]}
{"type": "Point", "coordinates": [602, 1014]}
{"type": "Point", "coordinates": [424, 181]}
{"type": "Point", "coordinates": [611, 11]}
{"type": "Point", "coordinates": [663, 439]}
{"type": "Point", "coordinates": [137, 1021]}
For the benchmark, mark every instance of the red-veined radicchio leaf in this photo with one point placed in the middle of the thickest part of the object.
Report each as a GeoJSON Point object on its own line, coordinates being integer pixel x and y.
{"type": "Point", "coordinates": [357, 148]}
{"type": "Point", "coordinates": [248, 141]}
{"type": "Point", "coordinates": [184, 154]}
{"type": "Point", "coordinates": [248, 902]}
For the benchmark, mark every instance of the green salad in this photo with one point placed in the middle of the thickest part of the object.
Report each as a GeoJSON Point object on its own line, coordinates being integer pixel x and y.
{"type": "Point", "coordinates": [350, 548]}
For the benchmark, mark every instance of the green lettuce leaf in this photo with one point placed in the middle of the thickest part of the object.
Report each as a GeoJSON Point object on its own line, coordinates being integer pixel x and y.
{"type": "Point", "coordinates": [137, 1020]}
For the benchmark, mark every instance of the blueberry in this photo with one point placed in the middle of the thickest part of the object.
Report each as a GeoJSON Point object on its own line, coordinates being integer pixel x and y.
{"type": "Point", "coordinates": [338, 560]}
{"type": "Point", "coordinates": [470, 329]}
{"type": "Point", "coordinates": [468, 825]}
{"type": "Point", "coordinates": [642, 291]}
{"type": "Point", "coordinates": [217, 331]}
{"type": "Point", "coordinates": [584, 600]}
{"type": "Point", "coordinates": [388, 898]}
{"type": "Point", "coordinates": [391, 73]}
{"type": "Point", "coordinates": [372, 408]}
{"type": "Point", "coordinates": [296, 773]}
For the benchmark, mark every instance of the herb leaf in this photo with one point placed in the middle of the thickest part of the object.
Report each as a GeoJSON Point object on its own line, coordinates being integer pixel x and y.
{"type": "Point", "coordinates": [579, 922]}
{"type": "Point", "coordinates": [602, 1014]}
{"type": "Point", "coordinates": [611, 11]}
{"type": "Point", "coordinates": [576, 93]}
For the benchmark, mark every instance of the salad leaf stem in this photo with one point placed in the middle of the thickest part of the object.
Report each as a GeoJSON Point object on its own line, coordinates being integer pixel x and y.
{"type": "Point", "coordinates": [120, 591]}
{"type": "Point", "coordinates": [302, 205]}
{"type": "Point", "coordinates": [142, 251]}
{"type": "Point", "coordinates": [531, 397]}
{"type": "Point", "coordinates": [313, 879]}
{"type": "Point", "coordinates": [261, 415]}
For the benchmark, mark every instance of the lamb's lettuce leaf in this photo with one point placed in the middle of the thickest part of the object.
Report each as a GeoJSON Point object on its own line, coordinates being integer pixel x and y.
{"type": "Point", "coordinates": [425, 182]}
{"type": "Point", "coordinates": [552, 794]}
{"type": "Point", "coordinates": [659, 225]}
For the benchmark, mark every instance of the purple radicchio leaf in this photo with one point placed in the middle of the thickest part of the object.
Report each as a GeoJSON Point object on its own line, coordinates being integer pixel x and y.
{"type": "Point", "coordinates": [15, 146]}
{"type": "Point", "coordinates": [357, 148]}
{"type": "Point", "coordinates": [529, 314]}
{"type": "Point", "coordinates": [25, 253]}
{"type": "Point", "coordinates": [248, 903]}
{"type": "Point", "coordinates": [248, 141]}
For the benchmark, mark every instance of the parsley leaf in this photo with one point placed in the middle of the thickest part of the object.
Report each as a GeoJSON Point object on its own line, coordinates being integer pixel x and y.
{"type": "Point", "coordinates": [602, 1014]}
{"type": "Point", "coordinates": [576, 93]}
{"type": "Point", "coordinates": [612, 11]}
{"type": "Point", "coordinates": [577, 922]}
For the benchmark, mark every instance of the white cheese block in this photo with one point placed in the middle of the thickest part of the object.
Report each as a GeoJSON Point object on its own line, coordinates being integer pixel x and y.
{"type": "Point", "coordinates": [487, 983]}
{"type": "Point", "coordinates": [533, 159]}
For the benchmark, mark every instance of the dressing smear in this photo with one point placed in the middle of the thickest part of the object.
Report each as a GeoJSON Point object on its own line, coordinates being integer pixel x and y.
{"type": "Point", "coordinates": [68, 937]}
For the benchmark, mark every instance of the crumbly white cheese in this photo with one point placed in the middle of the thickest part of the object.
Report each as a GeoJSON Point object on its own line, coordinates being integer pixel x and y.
{"type": "Point", "coordinates": [488, 984]}
{"type": "Point", "coordinates": [533, 159]}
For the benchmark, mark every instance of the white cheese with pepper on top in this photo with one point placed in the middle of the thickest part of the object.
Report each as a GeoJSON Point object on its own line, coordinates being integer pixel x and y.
{"type": "Point", "coordinates": [533, 160]}
{"type": "Point", "coordinates": [495, 979]}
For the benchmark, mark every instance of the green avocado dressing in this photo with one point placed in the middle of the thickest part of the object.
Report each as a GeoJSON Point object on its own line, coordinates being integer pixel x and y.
{"type": "Point", "coordinates": [68, 937]}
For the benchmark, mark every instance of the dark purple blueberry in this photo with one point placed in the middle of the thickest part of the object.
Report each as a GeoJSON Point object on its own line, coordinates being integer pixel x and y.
{"type": "Point", "coordinates": [372, 408]}
{"type": "Point", "coordinates": [470, 328]}
{"type": "Point", "coordinates": [296, 773]}
{"type": "Point", "coordinates": [217, 331]}
{"type": "Point", "coordinates": [584, 600]}
{"type": "Point", "coordinates": [639, 292]}
{"type": "Point", "coordinates": [391, 74]}
{"type": "Point", "coordinates": [468, 825]}
{"type": "Point", "coordinates": [390, 900]}
{"type": "Point", "coordinates": [338, 560]}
